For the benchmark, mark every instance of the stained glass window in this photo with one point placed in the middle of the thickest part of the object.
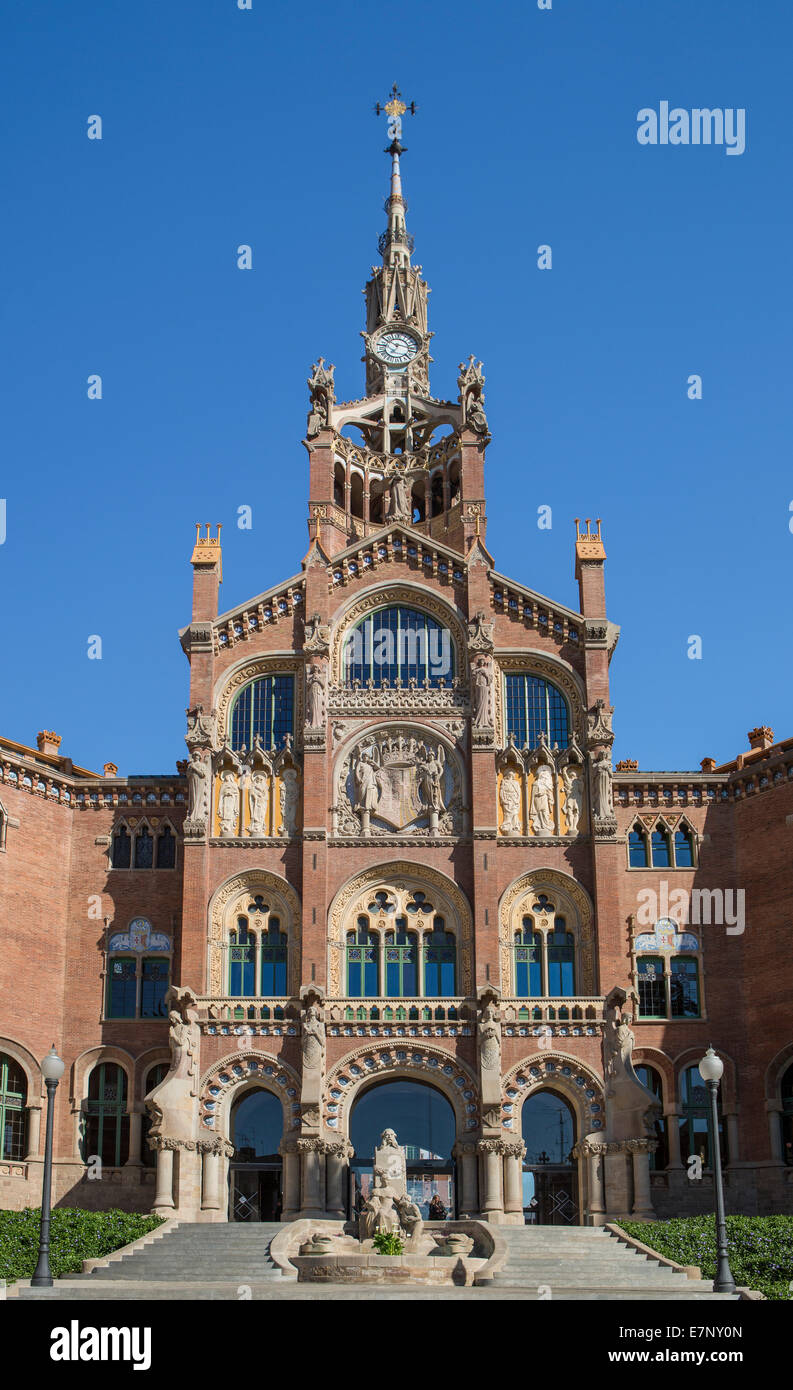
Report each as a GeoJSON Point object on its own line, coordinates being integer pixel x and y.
{"type": "Point", "coordinates": [637, 848]}
{"type": "Point", "coordinates": [13, 1098]}
{"type": "Point", "coordinates": [105, 1124]}
{"type": "Point", "coordinates": [399, 644]}
{"type": "Point", "coordinates": [154, 986]}
{"type": "Point", "coordinates": [684, 849]}
{"type": "Point", "coordinates": [122, 987]}
{"type": "Point", "coordinates": [274, 952]}
{"type": "Point", "coordinates": [534, 706]}
{"type": "Point", "coordinates": [122, 848]}
{"type": "Point", "coordinates": [652, 989]}
{"type": "Point", "coordinates": [661, 855]}
{"type": "Point", "coordinates": [401, 959]}
{"type": "Point", "coordinates": [439, 961]}
{"type": "Point", "coordinates": [528, 962]}
{"type": "Point", "coordinates": [264, 707]}
{"type": "Point", "coordinates": [242, 961]}
{"type": "Point", "coordinates": [362, 962]}
{"type": "Point", "coordinates": [684, 987]}
{"type": "Point", "coordinates": [561, 961]}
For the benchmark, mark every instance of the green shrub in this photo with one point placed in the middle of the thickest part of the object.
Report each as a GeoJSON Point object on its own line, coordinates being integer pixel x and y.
{"type": "Point", "coordinates": [759, 1248]}
{"type": "Point", "coordinates": [387, 1243]}
{"type": "Point", "coordinates": [75, 1235]}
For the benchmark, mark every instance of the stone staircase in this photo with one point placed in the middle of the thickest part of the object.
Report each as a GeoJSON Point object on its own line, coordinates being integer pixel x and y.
{"type": "Point", "coordinates": [590, 1262]}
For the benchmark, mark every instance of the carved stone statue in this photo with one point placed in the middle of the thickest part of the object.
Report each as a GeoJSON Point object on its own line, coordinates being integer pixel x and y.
{"type": "Point", "coordinates": [410, 1218]}
{"type": "Point", "coordinates": [573, 792]}
{"type": "Point", "coordinates": [320, 384]}
{"type": "Point", "coordinates": [390, 1170]}
{"type": "Point", "coordinates": [316, 637]}
{"type": "Point", "coordinates": [599, 725]}
{"type": "Point", "coordinates": [200, 728]}
{"type": "Point", "coordinates": [477, 420]}
{"type": "Point", "coordinates": [490, 1039]}
{"type": "Point", "coordinates": [541, 809]}
{"type": "Point", "coordinates": [480, 632]}
{"type": "Point", "coordinates": [509, 796]}
{"type": "Point", "coordinates": [315, 697]}
{"type": "Point", "coordinates": [482, 694]}
{"type": "Point", "coordinates": [197, 787]}
{"type": "Point", "coordinates": [431, 765]}
{"type": "Point", "coordinates": [601, 790]}
{"type": "Point", "coordinates": [228, 803]}
{"type": "Point", "coordinates": [367, 790]}
{"type": "Point", "coordinates": [313, 1038]}
{"type": "Point", "coordinates": [288, 800]}
{"type": "Point", "coordinates": [257, 802]}
{"type": "Point", "coordinates": [400, 502]}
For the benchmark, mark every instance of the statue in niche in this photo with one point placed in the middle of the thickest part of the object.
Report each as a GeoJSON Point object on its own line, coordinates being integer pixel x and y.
{"type": "Point", "coordinates": [618, 1042]}
{"type": "Point", "coordinates": [198, 787]}
{"type": "Point", "coordinates": [288, 799]}
{"type": "Point", "coordinates": [228, 803]}
{"type": "Point", "coordinates": [541, 809]}
{"type": "Point", "coordinates": [430, 765]}
{"type": "Point", "coordinates": [400, 501]}
{"type": "Point", "coordinates": [321, 387]}
{"type": "Point", "coordinates": [476, 419]}
{"type": "Point", "coordinates": [257, 802]}
{"type": "Point", "coordinates": [313, 1039]}
{"type": "Point", "coordinates": [573, 797]}
{"type": "Point", "coordinates": [315, 697]}
{"type": "Point", "coordinates": [482, 694]}
{"type": "Point", "coordinates": [509, 796]}
{"type": "Point", "coordinates": [490, 1039]}
{"type": "Point", "coordinates": [602, 796]}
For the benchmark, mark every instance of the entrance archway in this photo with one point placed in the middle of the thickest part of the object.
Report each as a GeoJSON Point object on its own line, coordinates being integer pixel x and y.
{"type": "Point", "coordinates": [550, 1178]}
{"type": "Point", "coordinates": [255, 1129]}
{"type": "Point", "coordinates": [425, 1127]}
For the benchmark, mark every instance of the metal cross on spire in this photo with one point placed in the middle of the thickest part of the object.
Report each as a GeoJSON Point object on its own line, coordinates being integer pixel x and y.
{"type": "Point", "coordinates": [395, 109]}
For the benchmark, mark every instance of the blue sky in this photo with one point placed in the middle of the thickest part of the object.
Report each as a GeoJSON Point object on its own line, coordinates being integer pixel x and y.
{"type": "Point", "coordinates": [223, 127]}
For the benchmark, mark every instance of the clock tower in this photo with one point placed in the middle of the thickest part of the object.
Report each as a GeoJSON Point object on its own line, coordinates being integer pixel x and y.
{"type": "Point", "coordinates": [398, 454]}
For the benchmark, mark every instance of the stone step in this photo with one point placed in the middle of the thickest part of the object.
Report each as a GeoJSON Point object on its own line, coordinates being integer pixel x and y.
{"type": "Point", "coordinates": [72, 1291]}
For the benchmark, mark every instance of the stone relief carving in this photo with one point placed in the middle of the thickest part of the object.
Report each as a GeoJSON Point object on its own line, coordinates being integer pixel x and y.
{"type": "Point", "coordinates": [489, 1051]}
{"type": "Point", "coordinates": [631, 1108]}
{"type": "Point", "coordinates": [248, 787]}
{"type": "Point", "coordinates": [510, 796]}
{"type": "Point", "coordinates": [316, 637]}
{"type": "Point", "coordinates": [201, 728]}
{"type": "Point", "coordinates": [398, 781]}
{"type": "Point", "coordinates": [400, 503]}
{"type": "Point", "coordinates": [542, 805]}
{"type": "Point", "coordinates": [480, 632]}
{"type": "Point", "coordinates": [197, 794]}
{"type": "Point", "coordinates": [229, 803]}
{"type": "Point", "coordinates": [258, 803]}
{"type": "Point", "coordinates": [573, 789]}
{"type": "Point", "coordinates": [315, 696]}
{"type": "Point", "coordinates": [599, 721]}
{"type": "Point", "coordinates": [481, 694]}
{"type": "Point", "coordinates": [289, 797]}
{"type": "Point", "coordinates": [542, 787]}
{"type": "Point", "coordinates": [471, 384]}
{"type": "Point", "coordinates": [602, 796]}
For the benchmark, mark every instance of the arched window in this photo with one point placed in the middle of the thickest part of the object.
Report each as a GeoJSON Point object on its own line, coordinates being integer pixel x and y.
{"type": "Point", "coordinates": [264, 707]}
{"type": "Point", "coordinates": [661, 849]}
{"type": "Point", "coordinates": [154, 1076]}
{"type": "Point", "coordinates": [561, 961]}
{"type": "Point", "coordinates": [13, 1100]}
{"type": "Point", "coordinates": [652, 1079]}
{"type": "Point", "coordinates": [528, 962]}
{"type": "Point", "coordinates": [401, 958]}
{"type": "Point", "coordinates": [684, 987]}
{"type": "Point", "coordinates": [396, 645]}
{"type": "Point", "coordinates": [362, 962]}
{"type": "Point", "coordinates": [138, 972]}
{"type": "Point", "coordinates": [144, 848]}
{"type": "Point", "coordinates": [356, 495]}
{"type": "Point", "coordinates": [440, 956]}
{"type": "Point", "coordinates": [694, 1127]}
{"type": "Point", "coordinates": [242, 961]}
{"type": "Point", "coordinates": [534, 706]}
{"type": "Point", "coordinates": [122, 848]}
{"type": "Point", "coordinates": [544, 960]}
{"type": "Point", "coordinates": [273, 949]}
{"type": "Point", "coordinates": [166, 848]}
{"type": "Point", "coordinates": [105, 1122]}
{"type": "Point", "coordinates": [787, 1116]}
{"type": "Point", "coordinates": [652, 988]}
{"type": "Point", "coordinates": [684, 849]}
{"type": "Point", "coordinates": [637, 848]}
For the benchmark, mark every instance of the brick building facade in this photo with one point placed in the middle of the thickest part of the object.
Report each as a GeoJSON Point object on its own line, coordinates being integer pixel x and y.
{"type": "Point", "coordinates": [398, 854]}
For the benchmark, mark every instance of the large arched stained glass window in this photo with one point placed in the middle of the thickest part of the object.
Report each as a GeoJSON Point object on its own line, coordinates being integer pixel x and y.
{"type": "Point", "coordinates": [264, 707]}
{"type": "Point", "coordinates": [535, 706]}
{"type": "Point", "coordinates": [396, 645]}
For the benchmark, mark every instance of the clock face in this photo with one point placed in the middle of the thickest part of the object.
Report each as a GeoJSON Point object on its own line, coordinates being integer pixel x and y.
{"type": "Point", "coordinates": [397, 347]}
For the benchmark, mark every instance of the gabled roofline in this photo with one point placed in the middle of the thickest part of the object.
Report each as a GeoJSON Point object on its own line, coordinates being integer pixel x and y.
{"type": "Point", "coordinates": [498, 578]}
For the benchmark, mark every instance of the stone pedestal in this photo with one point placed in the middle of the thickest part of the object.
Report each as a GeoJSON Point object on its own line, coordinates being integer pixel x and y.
{"type": "Point", "coordinates": [642, 1196]}
{"type": "Point", "coordinates": [513, 1182]}
{"type": "Point", "coordinates": [312, 1177]}
{"type": "Point", "coordinates": [467, 1193]}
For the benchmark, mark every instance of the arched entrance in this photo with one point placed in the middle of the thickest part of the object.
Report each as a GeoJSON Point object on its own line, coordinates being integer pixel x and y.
{"type": "Point", "coordinates": [550, 1177]}
{"type": "Point", "coordinates": [425, 1127]}
{"type": "Point", "coordinates": [255, 1129]}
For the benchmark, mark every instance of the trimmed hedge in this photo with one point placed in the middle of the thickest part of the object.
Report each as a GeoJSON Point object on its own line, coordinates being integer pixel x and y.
{"type": "Point", "coordinates": [759, 1248]}
{"type": "Point", "coordinates": [75, 1235]}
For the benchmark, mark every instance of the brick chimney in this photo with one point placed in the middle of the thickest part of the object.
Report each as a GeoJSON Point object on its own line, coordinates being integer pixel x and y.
{"type": "Point", "coordinates": [761, 737]}
{"type": "Point", "coordinates": [708, 764]}
{"type": "Point", "coordinates": [110, 770]}
{"type": "Point", "coordinates": [48, 742]}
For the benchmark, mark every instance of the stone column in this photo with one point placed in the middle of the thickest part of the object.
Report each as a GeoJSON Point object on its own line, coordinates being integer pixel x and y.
{"type": "Point", "coordinates": [514, 1151]}
{"type": "Point", "coordinates": [594, 1157]}
{"type": "Point", "coordinates": [467, 1203]}
{"type": "Point", "coordinates": [34, 1132]}
{"type": "Point", "coordinates": [210, 1178]}
{"type": "Point", "coordinates": [490, 1187]}
{"type": "Point", "coordinates": [337, 1160]}
{"type": "Point", "coordinates": [618, 1203]}
{"type": "Point", "coordinates": [163, 1197]}
{"type": "Point", "coordinates": [312, 1177]}
{"type": "Point", "coordinates": [135, 1124]}
{"type": "Point", "coordinates": [642, 1195]}
{"type": "Point", "coordinates": [291, 1181]}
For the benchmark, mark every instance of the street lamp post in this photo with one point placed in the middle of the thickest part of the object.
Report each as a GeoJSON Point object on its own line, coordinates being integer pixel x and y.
{"type": "Point", "coordinates": [710, 1069]}
{"type": "Point", "coordinates": [52, 1069]}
